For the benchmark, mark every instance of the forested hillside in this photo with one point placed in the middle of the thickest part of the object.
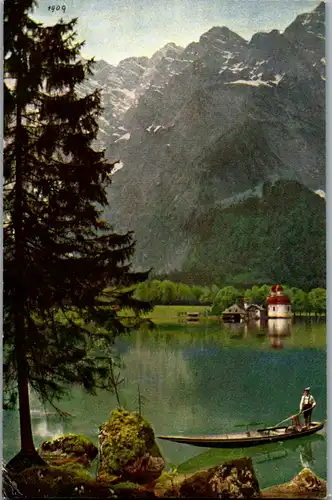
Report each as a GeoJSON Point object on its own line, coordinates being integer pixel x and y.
{"type": "Point", "coordinates": [277, 238]}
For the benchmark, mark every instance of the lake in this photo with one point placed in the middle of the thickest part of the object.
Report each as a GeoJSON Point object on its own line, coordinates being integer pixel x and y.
{"type": "Point", "coordinates": [208, 378]}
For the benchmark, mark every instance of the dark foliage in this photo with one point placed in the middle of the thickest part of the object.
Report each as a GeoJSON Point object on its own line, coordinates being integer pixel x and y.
{"type": "Point", "coordinates": [278, 238]}
{"type": "Point", "coordinates": [59, 255]}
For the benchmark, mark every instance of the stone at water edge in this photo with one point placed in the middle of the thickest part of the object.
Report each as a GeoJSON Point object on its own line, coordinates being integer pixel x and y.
{"type": "Point", "coordinates": [128, 449]}
{"type": "Point", "coordinates": [69, 448]}
{"type": "Point", "coordinates": [232, 479]}
{"type": "Point", "coordinates": [305, 485]}
{"type": "Point", "coordinates": [69, 481]}
{"type": "Point", "coordinates": [9, 486]}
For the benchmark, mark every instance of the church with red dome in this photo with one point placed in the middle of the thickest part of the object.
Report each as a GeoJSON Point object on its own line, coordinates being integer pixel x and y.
{"type": "Point", "coordinates": [278, 304]}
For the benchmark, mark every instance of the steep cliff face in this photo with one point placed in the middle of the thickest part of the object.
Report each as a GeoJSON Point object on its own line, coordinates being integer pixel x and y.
{"type": "Point", "coordinates": [206, 124]}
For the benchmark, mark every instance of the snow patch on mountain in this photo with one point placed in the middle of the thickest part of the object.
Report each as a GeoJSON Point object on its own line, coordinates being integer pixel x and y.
{"type": "Point", "coordinates": [148, 84]}
{"type": "Point", "coordinates": [252, 83]}
{"type": "Point", "coordinates": [321, 193]}
{"type": "Point", "coordinates": [256, 192]}
{"type": "Point", "coordinates": [277, 79]}
{"type": "Point", "coordinates": [117, 167]}
{"type": "Point", "coordinates": [124, 137]}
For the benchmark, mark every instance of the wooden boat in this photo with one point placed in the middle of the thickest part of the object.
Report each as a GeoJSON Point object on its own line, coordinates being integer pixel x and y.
{"type": "Point", "coordinates": [244, 439]}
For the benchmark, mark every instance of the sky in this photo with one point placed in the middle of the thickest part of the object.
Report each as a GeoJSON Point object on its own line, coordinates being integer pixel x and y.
{"type": "Point", "coordinates": [116, 29]}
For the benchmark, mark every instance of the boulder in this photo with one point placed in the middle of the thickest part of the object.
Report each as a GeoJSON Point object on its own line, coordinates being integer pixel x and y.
{"type": "Point", "coordinates": [305, 485]}
{"type": "Point", "coordinates": [128, 451]}
{"type": "Point", "coordinates": [9, 486]}
{"type": "Point", "coordinates": [69, 448]}
{"type": "Point", "coordinates": [71, 480]}
{"type": "Point", "coordinates": [131, 490]}
{"type": "Point", "coordinates": [232, 479]}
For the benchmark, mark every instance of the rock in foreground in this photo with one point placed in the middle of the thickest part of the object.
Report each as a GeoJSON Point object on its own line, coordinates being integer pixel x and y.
{"type": "Point", "coordinates": [128, 450]}
{"type": "Point", "coordinates": [71, 480]}
{"type": "Point", "coordinates": [233, 479]}
{"type": "Point", "coordinates": [9, 486]}
{"type": "Point", "coordinates": [69, 448]}
{"type": "Point", "coordinates": [305, 485]}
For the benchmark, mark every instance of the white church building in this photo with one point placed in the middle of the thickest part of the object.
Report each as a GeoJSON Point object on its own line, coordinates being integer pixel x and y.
{"type": "Point", "coordinates": [278, 304]}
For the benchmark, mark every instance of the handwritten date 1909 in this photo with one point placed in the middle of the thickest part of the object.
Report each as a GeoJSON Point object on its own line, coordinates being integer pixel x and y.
{"type": "Point", "coordinates": [54, 8]}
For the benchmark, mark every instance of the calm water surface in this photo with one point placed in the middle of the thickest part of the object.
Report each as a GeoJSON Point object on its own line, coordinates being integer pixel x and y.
{"type": "Point", "coordinates": [208, 379]}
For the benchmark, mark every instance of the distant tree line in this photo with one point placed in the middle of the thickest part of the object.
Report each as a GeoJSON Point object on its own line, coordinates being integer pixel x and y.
{"type": "Point", "coordinates": [170, 293]}
{"type": "Point", "coordinates": [312, 302]}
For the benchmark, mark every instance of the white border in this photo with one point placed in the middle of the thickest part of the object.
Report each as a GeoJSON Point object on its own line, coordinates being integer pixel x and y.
{"type": "Point", "coordinates": [328, 35]}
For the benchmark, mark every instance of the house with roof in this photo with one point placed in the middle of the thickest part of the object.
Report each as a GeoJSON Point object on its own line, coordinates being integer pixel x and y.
{"type": "Point", "coordinates": [248, 312]}
{"type": "Point", "coordinates": [278, 306]}
{"type": "Point", "coordinates": [234, 314]}
{"type": "Point", "coordinates": [255, 312]}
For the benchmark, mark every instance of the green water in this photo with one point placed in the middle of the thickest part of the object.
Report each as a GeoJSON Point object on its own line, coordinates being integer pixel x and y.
{"type": "Point", "coordinates": [207, 379]}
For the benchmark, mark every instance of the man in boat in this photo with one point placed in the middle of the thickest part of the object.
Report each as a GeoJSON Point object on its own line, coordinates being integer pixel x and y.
{"type": "Point", "coordinates": [296, 424]}
{"type": "Point", "coordinates": [307, 404]}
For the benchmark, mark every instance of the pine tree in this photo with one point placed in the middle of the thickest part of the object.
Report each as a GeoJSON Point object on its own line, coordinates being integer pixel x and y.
{"type": "Point", "coordinates": [66, 272]}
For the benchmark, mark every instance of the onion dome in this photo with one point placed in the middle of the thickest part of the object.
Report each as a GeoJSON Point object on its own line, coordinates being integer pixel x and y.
{"type": "Point", "coordinates": [279, 288]}
{"type": "Point", "coordinates": [273, 288]}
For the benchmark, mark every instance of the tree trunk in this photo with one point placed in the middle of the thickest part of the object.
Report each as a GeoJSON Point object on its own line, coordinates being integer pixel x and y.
{"type": "Point", "coordinates": [20, 340]}
{"type": "Point", "coordinates": [28, 455]}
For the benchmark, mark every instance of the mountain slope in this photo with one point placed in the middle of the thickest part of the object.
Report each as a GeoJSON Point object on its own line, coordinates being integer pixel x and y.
{"type": "Point", "coordinates": [201, 127]}
{"type": "Point", "coordinates": [279, 237]}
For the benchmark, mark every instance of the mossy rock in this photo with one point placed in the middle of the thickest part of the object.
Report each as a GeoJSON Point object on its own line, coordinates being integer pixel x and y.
{"type": "Point", "coordinates": [127, 485]}
{"type": "Point", "coordinates": [9, 486]}
{"type": "Point", "coordinates": [127, 489]}
{"type": "Point", "coordinates": [305, 485]}
{"type": "Point", "coordinates": [128, 449]}
{"type": "Point", "coordinates": [168, 484]}
{"type": "Point", "coordinates": [67, 481]}
{"type": "Point", "coordinates": [72, 447]}
{"type": "Point", "coordinates": [232, 479]}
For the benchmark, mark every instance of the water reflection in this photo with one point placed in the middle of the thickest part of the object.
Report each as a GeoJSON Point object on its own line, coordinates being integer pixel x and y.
{"type": "Point", "coordinates": [236, 330]}
{"type": "Point", "coordinates": [198, 381]}
{"type": "Point", "coordinates": [276, 342]}
{"type": "Point", "coordinates": [306, 455]}
{"type": "Point", "coordinates": [279, 327]}
{"type": "Point", "coordinates": [275, 330]}
{"type": "Point", "coordinates": [304, 450]}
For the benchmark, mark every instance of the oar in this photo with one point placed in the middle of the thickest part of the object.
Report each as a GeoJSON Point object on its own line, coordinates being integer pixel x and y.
{"type": "Point", "coordinates": [249, 424]}
{"type": "Point", "coordinates": [288, 418]}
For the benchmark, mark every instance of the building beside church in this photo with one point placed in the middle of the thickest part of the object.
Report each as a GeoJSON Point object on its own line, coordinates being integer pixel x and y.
{"type": "Point", "coordinates": [234, 314]}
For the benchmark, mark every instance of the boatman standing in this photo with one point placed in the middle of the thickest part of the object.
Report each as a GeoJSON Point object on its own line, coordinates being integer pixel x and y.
{"type": "Point", "coordinates": [307, 404]}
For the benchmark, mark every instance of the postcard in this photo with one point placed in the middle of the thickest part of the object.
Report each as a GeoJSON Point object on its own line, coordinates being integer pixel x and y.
{"type": "Point", "coordinates": [164, 248]}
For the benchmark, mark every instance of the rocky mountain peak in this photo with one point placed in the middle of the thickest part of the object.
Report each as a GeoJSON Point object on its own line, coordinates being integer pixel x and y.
{"type": "Point", "coordinates": [320, 8]}
{"type": "Point", "coordinates": [131, 62]}
{"type": "Point", "coordinates": [221, 34]}
{"type": "Point", "coordinates": [308, 26]}
{"type": "Point", "coordinates": [268, 41]}
{"type": "Point", "coordinates": [168, 50]}
{"type": "Point", "coordinates": [202, 127]}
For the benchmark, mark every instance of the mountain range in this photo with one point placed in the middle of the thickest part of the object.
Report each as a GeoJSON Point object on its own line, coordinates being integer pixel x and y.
{"type": "Point", "coordinates": [222, 126]}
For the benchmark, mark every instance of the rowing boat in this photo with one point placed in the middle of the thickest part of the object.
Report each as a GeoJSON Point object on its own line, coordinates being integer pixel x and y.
{"type": "Point", "coordinates": [244, 439]}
